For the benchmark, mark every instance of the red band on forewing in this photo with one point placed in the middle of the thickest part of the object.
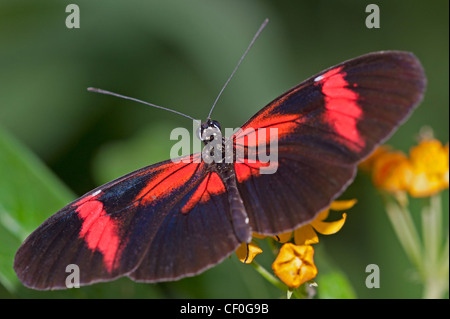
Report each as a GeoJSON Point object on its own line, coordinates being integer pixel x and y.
{"type": "Point", "coordinates": [253, 146]}
{"type": "Point", "coordinates": [211, 185]}
{"type": "Point", "coordinates": [98, 230]}
{"type": "Point", "coordinates": [341, 102]}
{"type": "Point", "coordinates": [168, 179]}
{"type": "Point", "coordinates": [284, 123]}
{"type": "Point", "coordinates": [245, 169]}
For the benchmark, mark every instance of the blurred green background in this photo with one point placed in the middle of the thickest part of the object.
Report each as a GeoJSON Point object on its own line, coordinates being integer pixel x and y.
{"type": "Point", "coordinates": [58, 141]}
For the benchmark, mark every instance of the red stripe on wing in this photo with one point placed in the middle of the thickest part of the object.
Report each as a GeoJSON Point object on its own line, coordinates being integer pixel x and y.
{"type": "Point", "coordinates": [211, 185]}
{"type": "Point", "coordinates": [255, 139]}
{"type": "Point", "coordinates": [245, 168]}
{"type": "Point", "coordinates": [170, 177]}
{"type": "Point", "coordinates": [343, 111]}
{"type": "Point", "coordinates": [284, 123]}
{"type": "Point", "coordinates": [98, 229]}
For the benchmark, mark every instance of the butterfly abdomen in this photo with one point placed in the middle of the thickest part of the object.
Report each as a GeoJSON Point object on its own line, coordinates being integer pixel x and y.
{"type": "Point", "coordinates": [237, 212]}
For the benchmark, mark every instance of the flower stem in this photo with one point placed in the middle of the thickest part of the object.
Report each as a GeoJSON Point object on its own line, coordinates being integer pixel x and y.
{"type": "Point", "coordinates": [403, 224]}
{"type": "Point", "coordinates": [431, 224]}
{"type": "Point", "coordinates": [268, 276]}
{"type": "Point", "coordinates": [445, 259]}
{"type": "Point", "coordinates": [436, 272]}
{"type": "Point", "coordinates": [444, 266]}
{"type": "Point", "coordinates": [430, 262]}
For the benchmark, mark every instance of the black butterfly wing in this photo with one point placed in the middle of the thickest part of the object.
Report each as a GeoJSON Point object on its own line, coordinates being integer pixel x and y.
{"type": "Point", "coordinates": [154, 224]}
{"type": "Point", "coordinates": [326, 125]}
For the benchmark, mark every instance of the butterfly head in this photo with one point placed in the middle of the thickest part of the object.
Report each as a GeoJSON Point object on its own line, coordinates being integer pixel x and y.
{"type": "Point", "coordinates": [209, 131]}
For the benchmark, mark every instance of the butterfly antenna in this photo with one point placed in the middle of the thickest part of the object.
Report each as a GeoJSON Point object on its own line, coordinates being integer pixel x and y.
{"type": "Point", "coordinates": [139, 101]}
{"type": "Point", "coordinates": [263, 25]}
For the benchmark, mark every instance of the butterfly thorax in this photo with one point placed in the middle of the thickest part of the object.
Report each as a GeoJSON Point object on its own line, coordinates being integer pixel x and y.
{"type": "Point", "coordinates": [217, 149]}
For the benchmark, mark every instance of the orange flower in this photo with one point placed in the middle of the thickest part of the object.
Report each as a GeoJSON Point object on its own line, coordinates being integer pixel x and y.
{"type": "Point", "coordinates": [294, 264]}
{"type": "Point", "coordinates": [392, 172]}
{"type": "Point", "coordinates": [368, 164]}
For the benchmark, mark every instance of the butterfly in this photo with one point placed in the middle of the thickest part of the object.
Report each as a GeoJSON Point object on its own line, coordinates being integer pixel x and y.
{"type": "Point", "coordinates": [176, 219]}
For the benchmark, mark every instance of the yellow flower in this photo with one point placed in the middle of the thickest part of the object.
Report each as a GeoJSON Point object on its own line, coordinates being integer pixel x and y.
{"type": "Point", "coordinates": [247, 252]}
{"type": "Point", "coordinates": [446, 155]}
{"type": "Point", "coordinates": [284, 237]}
{"type": "Point", "coordinates": [306, 235]}
{"type": "Point", "coordinates": [392, 172]}
{"type": "Point", "coordinates": [429, 162]}
{"type": "Point", "coordinates": [423, 174]}
{"type": "Point", "coordinates": [294, 264]}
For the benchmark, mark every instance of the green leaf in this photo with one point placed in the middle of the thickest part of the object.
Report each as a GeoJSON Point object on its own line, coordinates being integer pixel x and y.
{"type": "Point", "coordinates": [331, 280]}
{"type": "Point", "coordinates": [334, 285]}
{"type": "Point", "coordinates": [29, 193]}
